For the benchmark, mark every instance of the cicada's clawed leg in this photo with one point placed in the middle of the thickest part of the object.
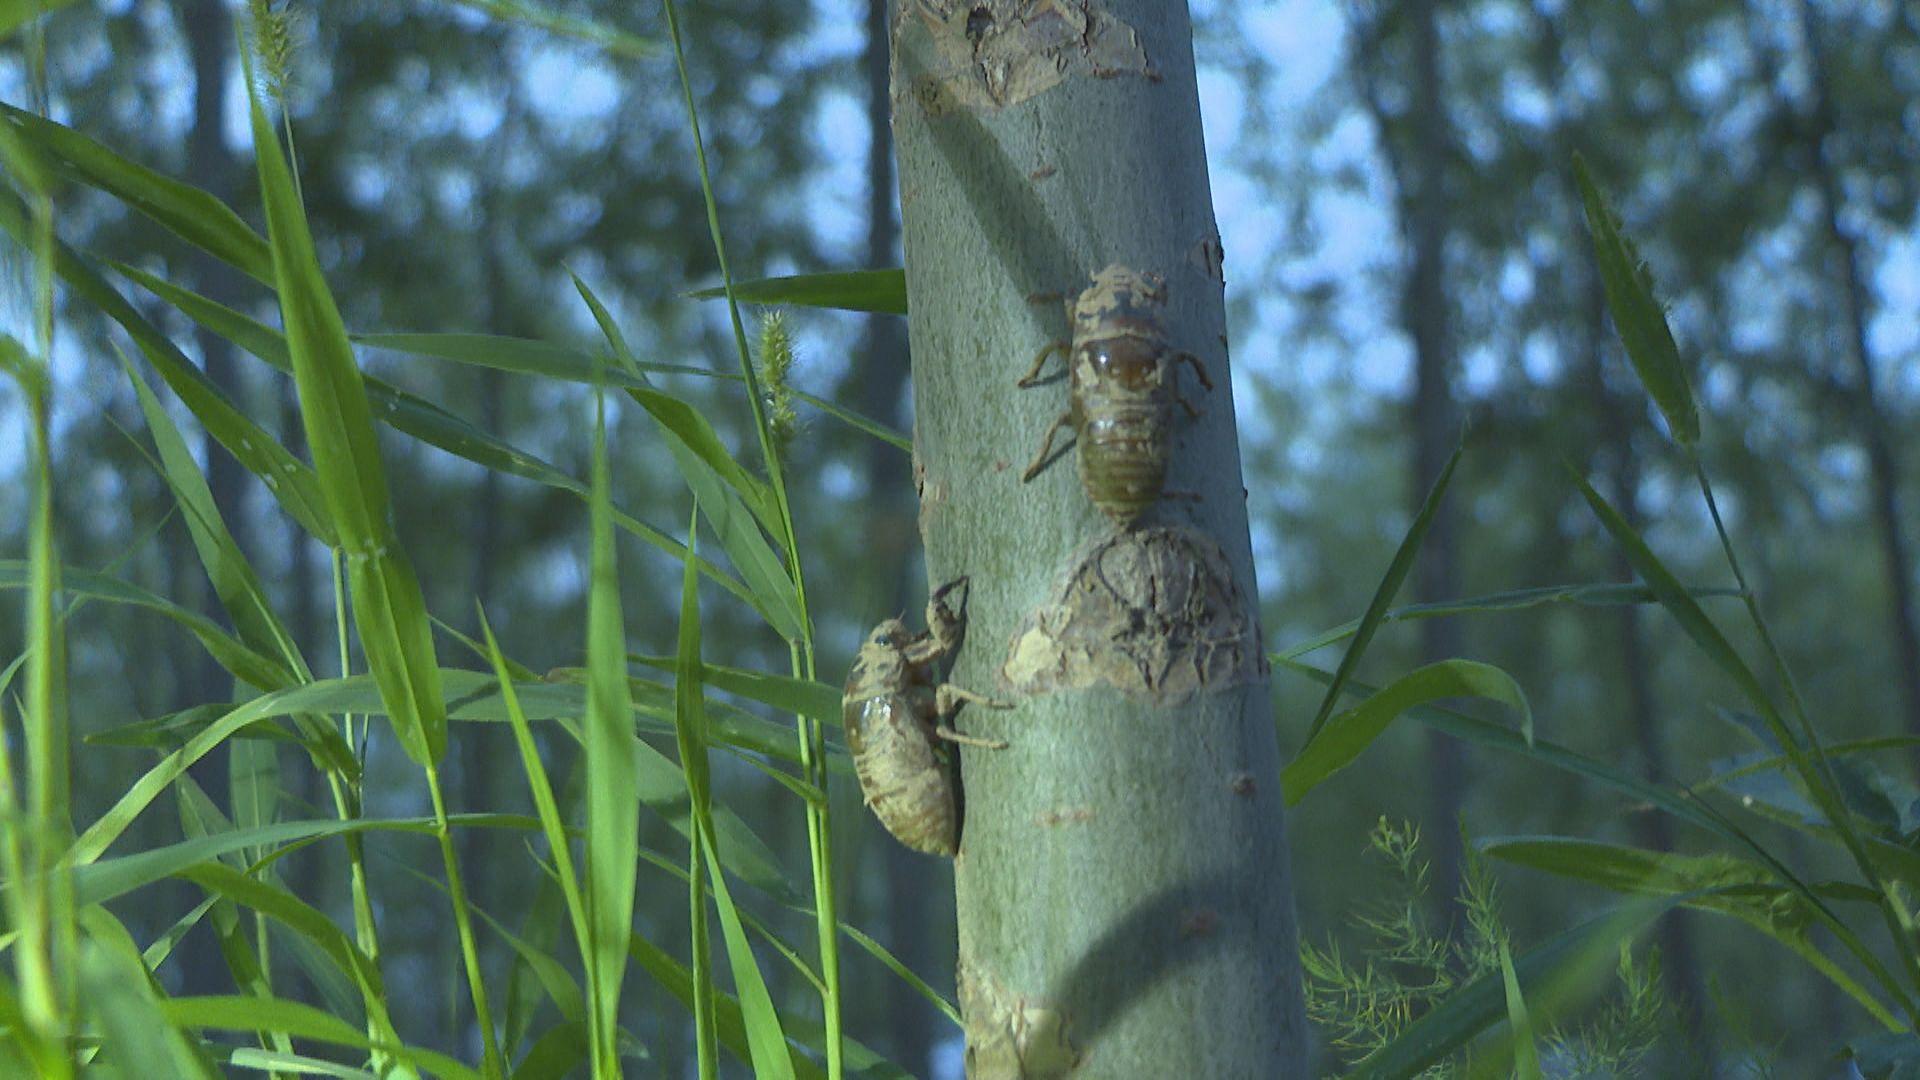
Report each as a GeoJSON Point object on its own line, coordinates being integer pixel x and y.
{"type": "Point", "coordinates": [1046, 447]}
{"type": "Point", "coordinates": [1040, 360]}
{"type": "Point", "coordinates": [953, 736]}
{"type": "Point", "coordinates": [948, 699]}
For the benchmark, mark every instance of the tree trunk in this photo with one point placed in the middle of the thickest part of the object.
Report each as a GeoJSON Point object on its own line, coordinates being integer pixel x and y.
{"type": "Point", "coordinates": [911, 1019]}
{"type": "Point", "coordinates": [1883, 466]}
{"type": "Point", "coordinates": [1122, 887]}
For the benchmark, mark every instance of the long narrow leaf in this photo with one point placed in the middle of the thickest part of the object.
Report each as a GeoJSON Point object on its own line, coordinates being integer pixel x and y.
{"type": "Point", "coordinates": [186, 211]}
{"type": "Point", "coordinates": [301, 1021]}
{"type": "Point", "coordinates": [1397, 571]}
{"type": "Point", "coordinates": [288, 480]}
{"type": "Point", "coordinates": [1351, 732]}
{"type": "Point", "coordinates": [388, 609]}
{"type": "Point", "coordinates": [612, 749]}
{"type": "Point", "coordinates": [882, 292]}
{"type": "Point", "coordinates": [765, 1039]}
{"type": "Point", "coordinates": [234, 582]}
{"type": "Point", "coordinates": [1637, 314]}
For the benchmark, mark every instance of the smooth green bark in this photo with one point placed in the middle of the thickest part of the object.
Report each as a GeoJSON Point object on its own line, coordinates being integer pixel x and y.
{"type": "Point", "coordinates": [1123, 892]}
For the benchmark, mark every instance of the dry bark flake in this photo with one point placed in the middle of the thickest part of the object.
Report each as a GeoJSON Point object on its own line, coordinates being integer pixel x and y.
{"type": "Point", "coordinates": [995, 53]}
{"type": "Point", "coordinates": [1153, 612]}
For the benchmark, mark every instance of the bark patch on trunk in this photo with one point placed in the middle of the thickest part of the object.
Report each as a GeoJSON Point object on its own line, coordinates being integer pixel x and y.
{"type": "Point", "coordinates": [1154, 613]}
{"type": "Point", "coordinates": [995, 53]}
{"type": "Point", "coordinates": [1011, 1036]}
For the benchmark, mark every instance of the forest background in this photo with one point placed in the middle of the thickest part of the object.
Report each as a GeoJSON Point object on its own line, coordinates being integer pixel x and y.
{"type": "Point", "coordinates": [1404, 250]}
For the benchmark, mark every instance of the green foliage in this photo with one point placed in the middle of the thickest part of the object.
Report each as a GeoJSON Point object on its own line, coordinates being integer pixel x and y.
{"type": "Point", "coordinates": [1404, 968]}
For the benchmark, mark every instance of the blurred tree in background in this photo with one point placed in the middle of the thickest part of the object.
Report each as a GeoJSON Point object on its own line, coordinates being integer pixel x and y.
{"type": "Point", "coordinates": [1405, 249]}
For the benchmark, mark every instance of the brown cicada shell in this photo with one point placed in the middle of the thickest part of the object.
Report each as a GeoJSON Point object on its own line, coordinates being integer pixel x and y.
{"type": "Point", "coordinates": [1121, 394]}
{"type": "Point", "coordinates": [898, 716]}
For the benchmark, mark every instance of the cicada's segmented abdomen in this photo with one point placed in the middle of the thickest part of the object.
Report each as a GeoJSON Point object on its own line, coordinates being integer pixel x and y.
{"type": "Point", "coordinates": [907, 777]}
{"type": "Point", "coordinates": [1123, 458]}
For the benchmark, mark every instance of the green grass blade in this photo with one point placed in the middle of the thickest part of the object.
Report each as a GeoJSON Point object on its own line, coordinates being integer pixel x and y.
{"type": "Point", "coordinates": [1492, 736]}
{"type": "Point", "coordinates": [109, 879]}
{"type": "Point", "coordinates": [184, 210]}
{"type": "Point", "coordinates": [1715, 882]}
{"type": "Point", "coordinates": [766, 1042]}
{"type": "Point", "coordinates": [1637, 315]}
{"type": "Point", "coordinates": [239, 660]}
{"type": "Point", "coordinates": [1606, 594]}
{"type": "Point", "coordinates": [675, 979]}
{"type": "Point", "coordinates": [288, 480]}
{"type": "Point", "coordinates": [388, 609]}
{"type": "Point", "coordinates": [1817, 778]}
{"type": "Point", "coordinates": [304, 1022]}
{"type": "Point", "coordinates": [689, 734]}
{"type": "Point", "coordinates": [234, 582]}
{"type": "Point", "coordinates": [1351, 732]}
{"type": "Point", "coordinates": [495, 1065]}
{"type": "Point", "coordinates": [272, 1061]}
{"type": "Point", "coordinates": [881, 292]}
{"type": "Point", "coordinates": [278, 904]}
{"type": "Point", "coordinates": [1526, 1051]}
{"type": "Point", "coordinates": [1721, 884]}
{"type": "Point", "coordinates": [613, 787]}
{"type": "Point", "coordinates": [1679, 603]}
{"type": "Point", "coordinates": [736, 505]}
{"type": "Point", "coordinates": [808, 697]}
{"type": "Point", "coordinates": [135, 1039]}
{"type": "Point", "coordinates": [545, 805]}
{"type": "Point", "coordinates": [1397, 571]}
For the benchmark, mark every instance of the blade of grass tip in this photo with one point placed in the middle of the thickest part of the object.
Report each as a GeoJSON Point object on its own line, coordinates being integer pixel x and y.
{"type": "Point", "coordinates": [1397, 571]}
{"type": "Point", "coordinates": [880, 292]}
{"type": "Point", "coordinates": [612, 750]}
{"type": "Point", "coordinates": [800, 651]}
{"type": "Point", "coordinates": [389, 611]}
{"type": "Point", "coordinates": [1526, 1053]}
{"type": "Point", "coordinates": [1637, 315]}
{"type": "Point", "coordinates": [1351, 732]}
{"type": "Point", "coordinates": [765, 1038]}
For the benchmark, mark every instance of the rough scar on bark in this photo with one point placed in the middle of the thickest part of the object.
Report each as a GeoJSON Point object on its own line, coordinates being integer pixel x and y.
{"type": "Point", "coordinates": [1154, 613]}
{"type": "Point", "coordinates": [1011, 1036]}
{"type": "Point", "coordinates": [990, 54]}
